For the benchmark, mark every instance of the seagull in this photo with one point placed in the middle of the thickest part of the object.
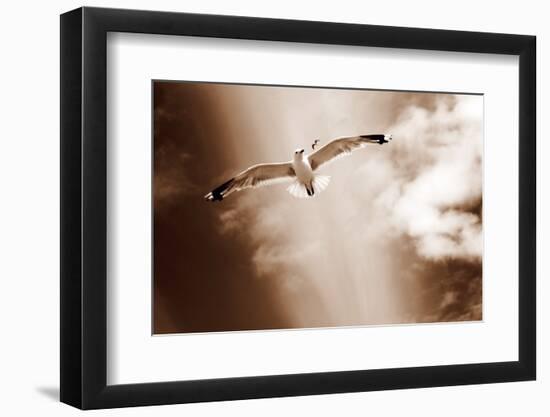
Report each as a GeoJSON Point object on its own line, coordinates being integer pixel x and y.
{"type": "Point", "coordinates": [301, 171]}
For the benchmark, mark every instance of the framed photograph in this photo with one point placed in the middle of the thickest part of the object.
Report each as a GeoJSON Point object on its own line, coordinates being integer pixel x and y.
{"type": "Point", "coordinates": [258, 208]}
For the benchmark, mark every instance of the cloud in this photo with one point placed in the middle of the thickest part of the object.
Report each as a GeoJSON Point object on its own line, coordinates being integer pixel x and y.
{"type": "Point", "coordinates": [270, 259]}
{"type": "Point", "coordinates": [171, 180]}
{"type": "Point", "coordinates": [436, 171]}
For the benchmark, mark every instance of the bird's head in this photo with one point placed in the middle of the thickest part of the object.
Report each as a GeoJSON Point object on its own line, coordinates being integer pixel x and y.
{"type": "Point", "coordinates": [298, 154]}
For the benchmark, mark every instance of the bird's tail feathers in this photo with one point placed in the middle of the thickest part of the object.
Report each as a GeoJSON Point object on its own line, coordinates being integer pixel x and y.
{"type": "Point", "coordinates": [299, 190]}
{"type": "Point", "coordinates": [320, 182]}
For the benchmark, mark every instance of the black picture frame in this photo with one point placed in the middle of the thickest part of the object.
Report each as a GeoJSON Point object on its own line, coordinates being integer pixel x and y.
{"type": "Point", "coordinates": [84, 207]}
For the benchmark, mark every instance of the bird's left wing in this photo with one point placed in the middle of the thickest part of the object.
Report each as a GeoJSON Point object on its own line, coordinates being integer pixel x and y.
{"type": "Point", "coordinates": [341, 147]}
{"type": "Point", "coordinates": [255, 176]}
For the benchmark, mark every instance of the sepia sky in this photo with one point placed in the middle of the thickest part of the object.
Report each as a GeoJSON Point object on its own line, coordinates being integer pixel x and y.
{"type": "Point", "coordinates": [395, 238]}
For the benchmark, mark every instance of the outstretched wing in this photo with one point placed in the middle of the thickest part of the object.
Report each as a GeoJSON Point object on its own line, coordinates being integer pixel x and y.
{"type": "Point", "coordinates": [342, 147]}
{"type": "Point", "coordinates": [255, 176]}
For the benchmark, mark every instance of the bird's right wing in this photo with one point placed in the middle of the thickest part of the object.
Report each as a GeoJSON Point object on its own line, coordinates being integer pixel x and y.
{"type": "Point", "coordinates": [255, 176]}
{"type": "Point", "coordinates": [342, 147]}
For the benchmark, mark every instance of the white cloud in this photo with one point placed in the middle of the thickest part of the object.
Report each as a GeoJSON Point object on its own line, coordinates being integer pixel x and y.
{"type": "Point", "coordinates": [437, 169]}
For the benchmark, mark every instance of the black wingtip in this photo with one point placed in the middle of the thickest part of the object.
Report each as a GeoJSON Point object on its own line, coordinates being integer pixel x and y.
{"type": "Point", "coordinates": [217, 193]}
{"type": "Point", "coordinates": [213, 197]}
{"type": "Point", "coordinates": [380, 139]}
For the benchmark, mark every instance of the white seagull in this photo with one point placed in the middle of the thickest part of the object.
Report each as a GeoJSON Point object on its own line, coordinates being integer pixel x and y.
{"type": "Point", "coordinates": [302, 170]}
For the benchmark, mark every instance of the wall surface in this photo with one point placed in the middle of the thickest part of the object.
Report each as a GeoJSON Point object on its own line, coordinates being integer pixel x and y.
{"type": "Point", "coordinates": [29, 178]}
